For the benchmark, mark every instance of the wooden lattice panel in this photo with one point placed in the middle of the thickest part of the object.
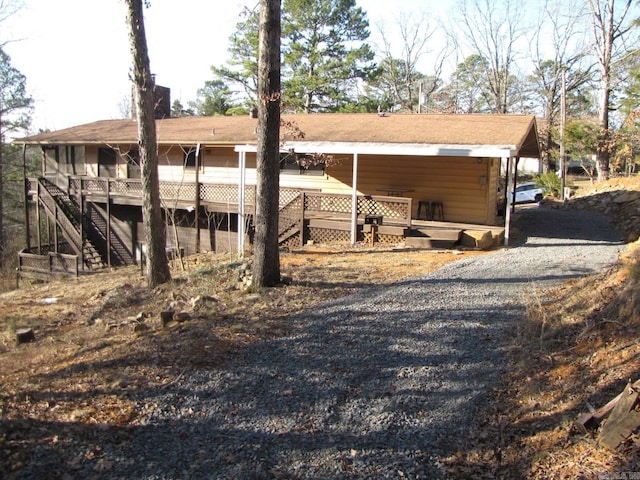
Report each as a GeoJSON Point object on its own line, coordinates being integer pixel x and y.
{"type": "Point", "coordinates": [389, 209]}
{"type": "Point", "coordinates": [325, 235]}
{"type": "Point", "coordinates": [128, 187]}
{"type": "Point", "coordinates": [382, 238]}
{"type": "Point", "coordinates": [177, 190]}
{"type": "Point", "coordinates": [96, 185]}
{"type": "Point", "coordinates": [291, 242]}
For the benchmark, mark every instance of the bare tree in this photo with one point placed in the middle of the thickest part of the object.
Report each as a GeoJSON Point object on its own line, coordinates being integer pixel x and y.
{"type": "Point", "coordinates": [557, 52]}
{"type": "Point", "coordinates": [154, 231]}
{"type": "Point", "coordinates": [492, 30]}
{"type": "Point", "coordinates": [400, 75]}
{"type": "Point", "coordinates": [266, 265]}
{"type": "Point", "coordinates": [610, 27]}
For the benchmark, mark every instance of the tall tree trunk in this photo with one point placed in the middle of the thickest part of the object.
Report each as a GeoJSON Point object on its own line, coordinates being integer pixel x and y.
{"type": "Point", "coordinates": [155, 235]}
{"type": "Point", "coordinates": [2, 245]}
{"type": "Point", "coordinates": [609, 26]}
{"type": "Point", "coordinates": [266, 264]}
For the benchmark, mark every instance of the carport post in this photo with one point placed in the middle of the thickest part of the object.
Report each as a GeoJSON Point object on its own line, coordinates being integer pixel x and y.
{"type": "Point", "coordinates": [354, 201]}
{"type": "Point", "coordinates": [508, 200]}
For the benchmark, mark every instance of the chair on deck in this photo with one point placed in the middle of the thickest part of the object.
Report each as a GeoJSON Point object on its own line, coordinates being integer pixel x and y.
{"type": "Point", "coordinates": [426, 206]}
{"type": "Point", "coordinates": [437, 211]}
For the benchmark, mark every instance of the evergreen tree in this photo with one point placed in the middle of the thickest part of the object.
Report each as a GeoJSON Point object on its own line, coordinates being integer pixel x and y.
{"type": "Point", "coordinates": [324, 51]}
{"type": "Point", "coordinates": [15, 116]}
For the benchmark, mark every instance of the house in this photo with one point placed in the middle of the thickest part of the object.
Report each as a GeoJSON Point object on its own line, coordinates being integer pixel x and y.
{"type": "Point", "coordinates": [382, 177]}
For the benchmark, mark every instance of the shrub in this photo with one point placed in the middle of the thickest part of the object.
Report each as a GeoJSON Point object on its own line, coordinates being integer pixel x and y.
{"type": "Point", "coordinates": [549, 183]}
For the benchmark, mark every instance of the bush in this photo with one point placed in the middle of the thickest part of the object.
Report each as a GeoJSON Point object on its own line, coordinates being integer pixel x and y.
{"type": "Point", "coordinates": [550, 183]}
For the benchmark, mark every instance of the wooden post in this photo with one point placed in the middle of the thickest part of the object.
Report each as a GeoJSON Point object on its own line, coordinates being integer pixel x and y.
{"type": "Point", "coordinates": [197, 212]}
{"type": "Point", "coordinates": [27, 220]}
{"type": "Point", "coordinates": [304, 202]}
{"type": "Point", "coordinates": [108, 224]}
{"type": "Point", "coordinates": [38, 230]}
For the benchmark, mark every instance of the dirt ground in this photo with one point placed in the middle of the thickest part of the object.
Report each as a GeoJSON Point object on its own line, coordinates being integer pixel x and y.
{"type": "Point", "coordinates": [100, 344]}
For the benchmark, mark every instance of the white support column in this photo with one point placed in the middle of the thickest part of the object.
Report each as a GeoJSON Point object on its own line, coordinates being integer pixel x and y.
{"type": "Point", "coordinates": [508, 200]}
{"type": "Point", "coordinates": [354, 201]}
{"type": "Point", "coordinates": [242, 157]}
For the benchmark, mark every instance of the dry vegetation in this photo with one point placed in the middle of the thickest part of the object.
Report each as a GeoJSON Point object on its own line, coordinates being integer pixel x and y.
{"type": "Point", "coordinates": [100, 346]}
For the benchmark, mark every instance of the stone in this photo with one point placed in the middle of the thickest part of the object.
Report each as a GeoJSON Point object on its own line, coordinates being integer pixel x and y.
{"type": "Point", "coordinates": [25, 335]}
{"type": "Point", "coordinates": [181, 317]}
{"type": "Point", "coordinates": [477, 239]}
{"type": "Point", "coordinates": [166, 316]}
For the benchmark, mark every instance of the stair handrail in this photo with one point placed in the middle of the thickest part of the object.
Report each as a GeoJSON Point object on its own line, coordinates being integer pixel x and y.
{"type": "Point", "coordinates": [70, 230]}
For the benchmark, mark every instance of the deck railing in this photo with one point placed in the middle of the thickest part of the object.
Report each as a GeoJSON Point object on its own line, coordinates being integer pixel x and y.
{"type": "Point", "coordinates": [395, 210]}
{"type": "Point", "coordinates": [47, 265]}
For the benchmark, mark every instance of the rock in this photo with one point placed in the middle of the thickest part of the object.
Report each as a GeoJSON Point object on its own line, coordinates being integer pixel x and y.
{"type": "Point", "coordinates": [25, 335]}
{"type": "Point", "coordinates": [181, 317]}
{"type": "Point", "coordinates": [477, 239]}
{"type": "Point", "coordinates": [626, 196]}
{"type": "Point", "coordinates": [202, 301]}
{"type": "Point", "coordinates": [140, 327]}
{"type": "Point", "coordinates": [166, 316]}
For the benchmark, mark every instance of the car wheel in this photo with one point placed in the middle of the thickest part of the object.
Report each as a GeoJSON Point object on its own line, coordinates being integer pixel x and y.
{"type": "Point", "coordinates": [538, 197]}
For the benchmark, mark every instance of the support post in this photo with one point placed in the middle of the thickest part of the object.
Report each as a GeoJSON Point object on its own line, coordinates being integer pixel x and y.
{"type": "Point", "coordinates": [508, 201]}
{"type": "Point", "coordinates": [242, 158]}
{"type": "Point", "coordinates": [354, 201]}
{"type": "Point", "coordinates": [197, 199]}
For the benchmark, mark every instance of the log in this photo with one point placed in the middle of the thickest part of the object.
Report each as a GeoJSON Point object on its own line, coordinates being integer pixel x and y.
{"type": "Point", "coordinates": [601, 412]}
{"type": "Point", "coordinates": [25, 335]}
{"type": "Point", "coordinates": [623, 421]}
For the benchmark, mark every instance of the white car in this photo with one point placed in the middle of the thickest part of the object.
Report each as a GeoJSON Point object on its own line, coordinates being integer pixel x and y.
{"type": "Point", "coordinates": [528, 193]}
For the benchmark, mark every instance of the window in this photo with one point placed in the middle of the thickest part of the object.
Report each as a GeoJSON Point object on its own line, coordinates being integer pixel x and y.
{"type": "Point", "coordinates": [190, 161]}
{"type": "Point", "coordinates": [107, 160]}
{"type": "Point", "coordinates": [133, 163]}
{"type": "Point", "coordinates": [293, 165]}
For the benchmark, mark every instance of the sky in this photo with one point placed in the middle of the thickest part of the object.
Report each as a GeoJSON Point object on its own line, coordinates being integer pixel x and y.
{"type": "Point", "coordinates": [76, 58]}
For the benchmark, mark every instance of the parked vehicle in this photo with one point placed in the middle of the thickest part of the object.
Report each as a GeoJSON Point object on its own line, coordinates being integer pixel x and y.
{"type": "Point", "coordinates": [528, 193]}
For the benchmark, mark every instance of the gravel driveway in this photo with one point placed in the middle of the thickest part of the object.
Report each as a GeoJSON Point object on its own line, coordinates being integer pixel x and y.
{"type": "Point", "coordinates": [381, 384]}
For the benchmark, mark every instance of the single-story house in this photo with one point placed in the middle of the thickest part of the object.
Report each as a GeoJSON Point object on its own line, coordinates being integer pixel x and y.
{"type": "Point", "coordinates": [378, 177]}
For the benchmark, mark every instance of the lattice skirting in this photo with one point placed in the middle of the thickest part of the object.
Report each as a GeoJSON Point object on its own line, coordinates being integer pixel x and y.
{"type": "Point", "coordinates": [383, 238]}
{"type": "Point", "coordinates": [291, 242]}
{"type": "Point", "coordinates": [326, 235]}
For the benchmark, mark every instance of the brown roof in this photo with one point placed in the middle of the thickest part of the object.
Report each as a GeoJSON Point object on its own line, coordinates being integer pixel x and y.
{"type": "Point", "coordinates": [517, 131]}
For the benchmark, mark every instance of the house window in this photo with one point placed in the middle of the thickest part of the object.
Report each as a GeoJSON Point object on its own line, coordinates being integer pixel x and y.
{"type": "Point", "coordinates": [190, 161]}
{"type": "Point", "coordinates": [107, 162]}
{"type": "Point", "coordinates": [133, 163]}
{"type": "Point", "coordinates": [293, 165]}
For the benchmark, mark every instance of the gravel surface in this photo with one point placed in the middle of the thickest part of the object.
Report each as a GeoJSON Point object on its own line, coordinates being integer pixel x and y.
{"type": "Point", "coordinates": [381, 384]}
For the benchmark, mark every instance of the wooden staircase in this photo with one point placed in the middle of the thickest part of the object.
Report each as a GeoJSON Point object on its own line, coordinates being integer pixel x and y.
{"type": "Point", "coordinates": [290, 222]}
{"type": "Point", "coordinates": [61, 209]}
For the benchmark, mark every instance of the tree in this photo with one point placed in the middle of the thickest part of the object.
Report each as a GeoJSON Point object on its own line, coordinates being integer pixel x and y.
{"type": "Point", "coordinates": [492, 30]}
{"type": "Point", "coordinates": [399, 76]}
{"type": "Point", "coordinates": [558, 57]}
{"type": "Point", "coordinates": [322, 46]}
{"type": "Point", "coordinates": [266, 264]}
{"type": "Point", "coordinates": [468, 90]}
{"type": "Point", "coordinates": [15, 116]}
{"type": "Point", "coordinates": [610, 27]}
{"type": "Point", "coordinates": [155, 235]}
{"type": "Point", "coordinates": [215, 98]}
{"type": "Point", "coordinates": [243, 55]}
{"type": "Point", "coordinates": [325, 53]}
